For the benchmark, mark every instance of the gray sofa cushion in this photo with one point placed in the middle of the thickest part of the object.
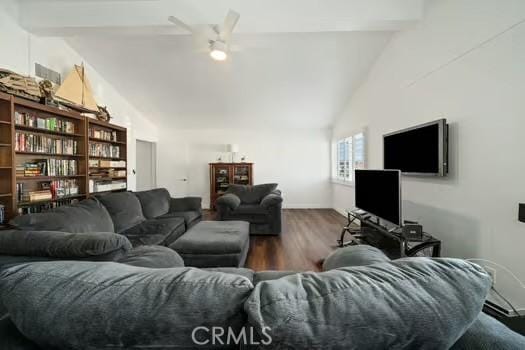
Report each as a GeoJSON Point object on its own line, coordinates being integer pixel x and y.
{"type": "Point", "coordinates": [64, 245]}
{"type": "Point", "coordinates": [241, 271]}
{"type": "Point", "coordinates": [110, 305]}
{"type": "Point", "coordinates": [124, 208]}
{"type": "Point", "coordinates": [270, 275]}
{"type": "Point", "coordinates": [11, 338]}
{"type": "Point", "coordinates": [251, 194]}
{"type": "Point", "coordinates": [155, 231]}
{"type": "Point", "coordinates": [152, 256]}
{"type": "Point", "coordinates": [154, 202]}
{"type": "Point", "coordinates": [228, 200]}
{"type": "Point", "coordinates": [357, 255]}
{"type": "Point", "coordinates": [486, 333]}
{"type": "Point", "coordinates": [190, 217]}
{"type": "Point", "coordinates": [86, 216]}
{"type": "Point", "coordinates": [407, 304]}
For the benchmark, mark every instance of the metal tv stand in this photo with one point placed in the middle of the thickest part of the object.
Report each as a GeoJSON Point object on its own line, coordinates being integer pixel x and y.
{"type": "Point", "coordinates": [392, 242]}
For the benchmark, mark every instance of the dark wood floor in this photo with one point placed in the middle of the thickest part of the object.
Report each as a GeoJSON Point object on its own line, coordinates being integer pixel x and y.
{"type": "Point", "coordinates": [308, 236]}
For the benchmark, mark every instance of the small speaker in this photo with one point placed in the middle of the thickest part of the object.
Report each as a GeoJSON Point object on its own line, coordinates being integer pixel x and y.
{"type": "Point", "coordinates": [521, 212]}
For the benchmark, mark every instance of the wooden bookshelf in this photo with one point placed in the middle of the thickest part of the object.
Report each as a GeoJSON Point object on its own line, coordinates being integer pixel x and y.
{"type": "Point", "coordinates": [65, 164]}
{"type": "Point", "coordinates": [107, 148]}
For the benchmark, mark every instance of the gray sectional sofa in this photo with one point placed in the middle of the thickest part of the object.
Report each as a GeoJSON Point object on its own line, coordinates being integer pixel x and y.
{"type": "Point", "coordinates": [148, 221]}
{"type": "Point", "coordinates": [361, 301]}
{"type": "Point", "coordinates": [260, 205]}
{"type": "Point", "coordinates": [145, 218]}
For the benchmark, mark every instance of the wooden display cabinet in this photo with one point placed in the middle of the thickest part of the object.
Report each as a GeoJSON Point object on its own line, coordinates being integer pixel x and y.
{"type": "Point", "coordinates": [224, 174]}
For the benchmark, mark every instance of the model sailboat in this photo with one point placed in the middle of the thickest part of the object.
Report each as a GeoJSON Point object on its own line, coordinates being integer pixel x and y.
{"type": "Point", "coordinates": [76, 91]}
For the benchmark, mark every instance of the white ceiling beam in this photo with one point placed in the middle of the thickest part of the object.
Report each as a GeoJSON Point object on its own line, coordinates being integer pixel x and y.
{"type": "Point", "coordinates": [85, 17]}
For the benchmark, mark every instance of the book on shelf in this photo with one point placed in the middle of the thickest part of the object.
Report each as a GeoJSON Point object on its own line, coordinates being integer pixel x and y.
{"type": "Point", "coordinates": [103, 134]}
{"type": "Point", "coordinates": [26, 142]}
{"type": "Point", "coordinates": [43, 195]}
{"type": "Point", "coordinates": [49, 190]}
{"type": "Point", "coordinates": [103, 150]}
{"type": "Point", "coordinates": [52, 123]}
{"type": "Point", "coordinates": [95, 163]}
{"type": "Point", "coordinates": [48, 167]}
{"type": "Point", "coordinates": [106, 185]}
{"type": "Point", "coordinates": [2, 213]}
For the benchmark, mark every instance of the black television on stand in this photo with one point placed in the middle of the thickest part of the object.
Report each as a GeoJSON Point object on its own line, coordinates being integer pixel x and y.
{"type": "Point", "coordinates": [378, 193]}
{"type": "Point", "coordinates": [421, 150]}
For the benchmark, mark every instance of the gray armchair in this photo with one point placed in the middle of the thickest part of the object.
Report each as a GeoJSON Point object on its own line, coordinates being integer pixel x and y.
{"type": "Point", "coordinates": [260, 205]}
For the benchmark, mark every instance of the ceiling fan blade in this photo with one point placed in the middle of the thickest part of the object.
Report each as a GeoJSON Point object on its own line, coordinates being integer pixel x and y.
{"type": "Point", "coordinates": [229, 24]}
{"type": "Point", "coordinates": [180, 23]}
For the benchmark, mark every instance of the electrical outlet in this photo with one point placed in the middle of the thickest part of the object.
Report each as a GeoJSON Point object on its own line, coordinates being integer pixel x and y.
{"type": "Point", "coordinates": [492, 274]}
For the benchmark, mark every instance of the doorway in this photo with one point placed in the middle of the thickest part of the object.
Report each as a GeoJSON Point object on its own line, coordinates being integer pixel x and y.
{"type": "Point", "coordinates": [146, 165]}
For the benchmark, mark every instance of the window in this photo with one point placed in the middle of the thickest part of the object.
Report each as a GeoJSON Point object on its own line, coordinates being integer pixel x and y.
{"type": "Point", "coordinates": [349, 154]}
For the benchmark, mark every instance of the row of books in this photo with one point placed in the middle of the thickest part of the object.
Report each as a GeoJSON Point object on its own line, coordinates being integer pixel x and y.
{"type": "Point", "coordinates": [48, 167]}
{"type": "Point", "coordinates": [45, 206]}
{"type": "Point", "coordinates": [53, 124]}
{"type": "Point", "coordinates": [107, 173]}
{"type": "Point", "coordinates": [103, 186]}
{"type": "Point", "coordinates": [2, 214]}
{"type": "Point", "coordinates": [47, 190]}
{"type": "Point", "coordinates": [104, 150]}
{"type": "Point", "coordinates": [96, 163]}
{"type": "Point", "coordinates": [103, 134]}
{"type": "Point", "coordinates": [44, 144]}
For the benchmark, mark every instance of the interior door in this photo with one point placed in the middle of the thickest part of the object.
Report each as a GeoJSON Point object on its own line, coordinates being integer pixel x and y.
{"type": "Point", "coordinates": [145, 166]}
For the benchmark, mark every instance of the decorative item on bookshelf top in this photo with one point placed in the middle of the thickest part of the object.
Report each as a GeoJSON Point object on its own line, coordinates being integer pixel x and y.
{"type": "Point", "coordinates": [18, 85]}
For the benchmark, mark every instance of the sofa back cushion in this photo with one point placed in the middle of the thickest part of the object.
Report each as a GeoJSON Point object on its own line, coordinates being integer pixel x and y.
{"type": "Point", "coordinates": [415, 303]}
{"type": "Point", "coordinates": [154, 202]}
{"type": "Point", "coordinates": [251, 194]}
{"type": "Point", "coordinates": [86, 216]}
{"type": "Point", "coordinates": [124, 208]}
{"type": "Point", "coordinates": [64, 245]}
{"type": "Point", "coordinates": [110, 305]}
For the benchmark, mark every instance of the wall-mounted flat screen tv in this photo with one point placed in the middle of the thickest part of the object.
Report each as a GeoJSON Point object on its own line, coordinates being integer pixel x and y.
{"type": "Point", "coordinates": [419, 150]}
{"type": "Point", "coordinates": [378, 192]}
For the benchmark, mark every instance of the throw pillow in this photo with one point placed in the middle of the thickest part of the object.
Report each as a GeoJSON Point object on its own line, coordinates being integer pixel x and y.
{"type": "Point", "coordinates": [415, 303]}
{"type": "Point", "coordinates": [64, 245]}
{"type": "Point", "coordinates": [251, 194]}
{"type": "Point", "coordinates": [88, 305]}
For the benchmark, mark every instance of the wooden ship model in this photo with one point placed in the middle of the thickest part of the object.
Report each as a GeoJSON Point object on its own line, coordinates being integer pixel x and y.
{"type": "Point", "coordinates": [76, 93]}
{"type": "Point", "coordinates": [18, 85]}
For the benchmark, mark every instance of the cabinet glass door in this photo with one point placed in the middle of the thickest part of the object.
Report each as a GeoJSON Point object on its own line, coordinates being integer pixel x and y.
{"type": "Point", "coordinates": [222, 179]}
{"type": "Point", "coordinates": [241, 175]}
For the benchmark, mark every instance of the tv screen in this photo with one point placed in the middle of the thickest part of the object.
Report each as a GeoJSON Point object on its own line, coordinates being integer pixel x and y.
{"type": "Point", "coordinates": [378, 192]}
{"type": "Point", "coordinates": [420, 150]}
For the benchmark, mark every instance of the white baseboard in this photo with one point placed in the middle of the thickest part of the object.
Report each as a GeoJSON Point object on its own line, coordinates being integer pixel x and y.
{"type": "Point", "coordinates": [306, 206]}
{"type": "Point", "coordinates": [292, 206]}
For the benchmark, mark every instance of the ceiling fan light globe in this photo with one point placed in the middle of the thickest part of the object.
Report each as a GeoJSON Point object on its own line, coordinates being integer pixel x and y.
{"type": "Point", "coordinates": [218, 55]}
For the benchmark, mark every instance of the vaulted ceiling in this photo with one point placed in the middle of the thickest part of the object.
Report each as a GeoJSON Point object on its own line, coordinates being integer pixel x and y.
{"type": "Point", "coordinates": [296, 62]}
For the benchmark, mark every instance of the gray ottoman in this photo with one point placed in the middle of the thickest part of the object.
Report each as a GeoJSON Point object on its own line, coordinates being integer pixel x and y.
{"type": "Point", "coordinates": [215, 244]}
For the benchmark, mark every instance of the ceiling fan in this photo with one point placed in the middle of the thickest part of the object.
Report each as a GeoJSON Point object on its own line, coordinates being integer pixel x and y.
{"type": "Point", "coordinates": [216, 37]}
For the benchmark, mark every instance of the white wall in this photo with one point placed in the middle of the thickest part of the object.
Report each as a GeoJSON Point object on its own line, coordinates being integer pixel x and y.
{"type": "Point", "coordinates": [296, 159]}
{"type": "Point", "coordinates": [464, 62]}
{"type": "Point", "coordinates": [19, 51]}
